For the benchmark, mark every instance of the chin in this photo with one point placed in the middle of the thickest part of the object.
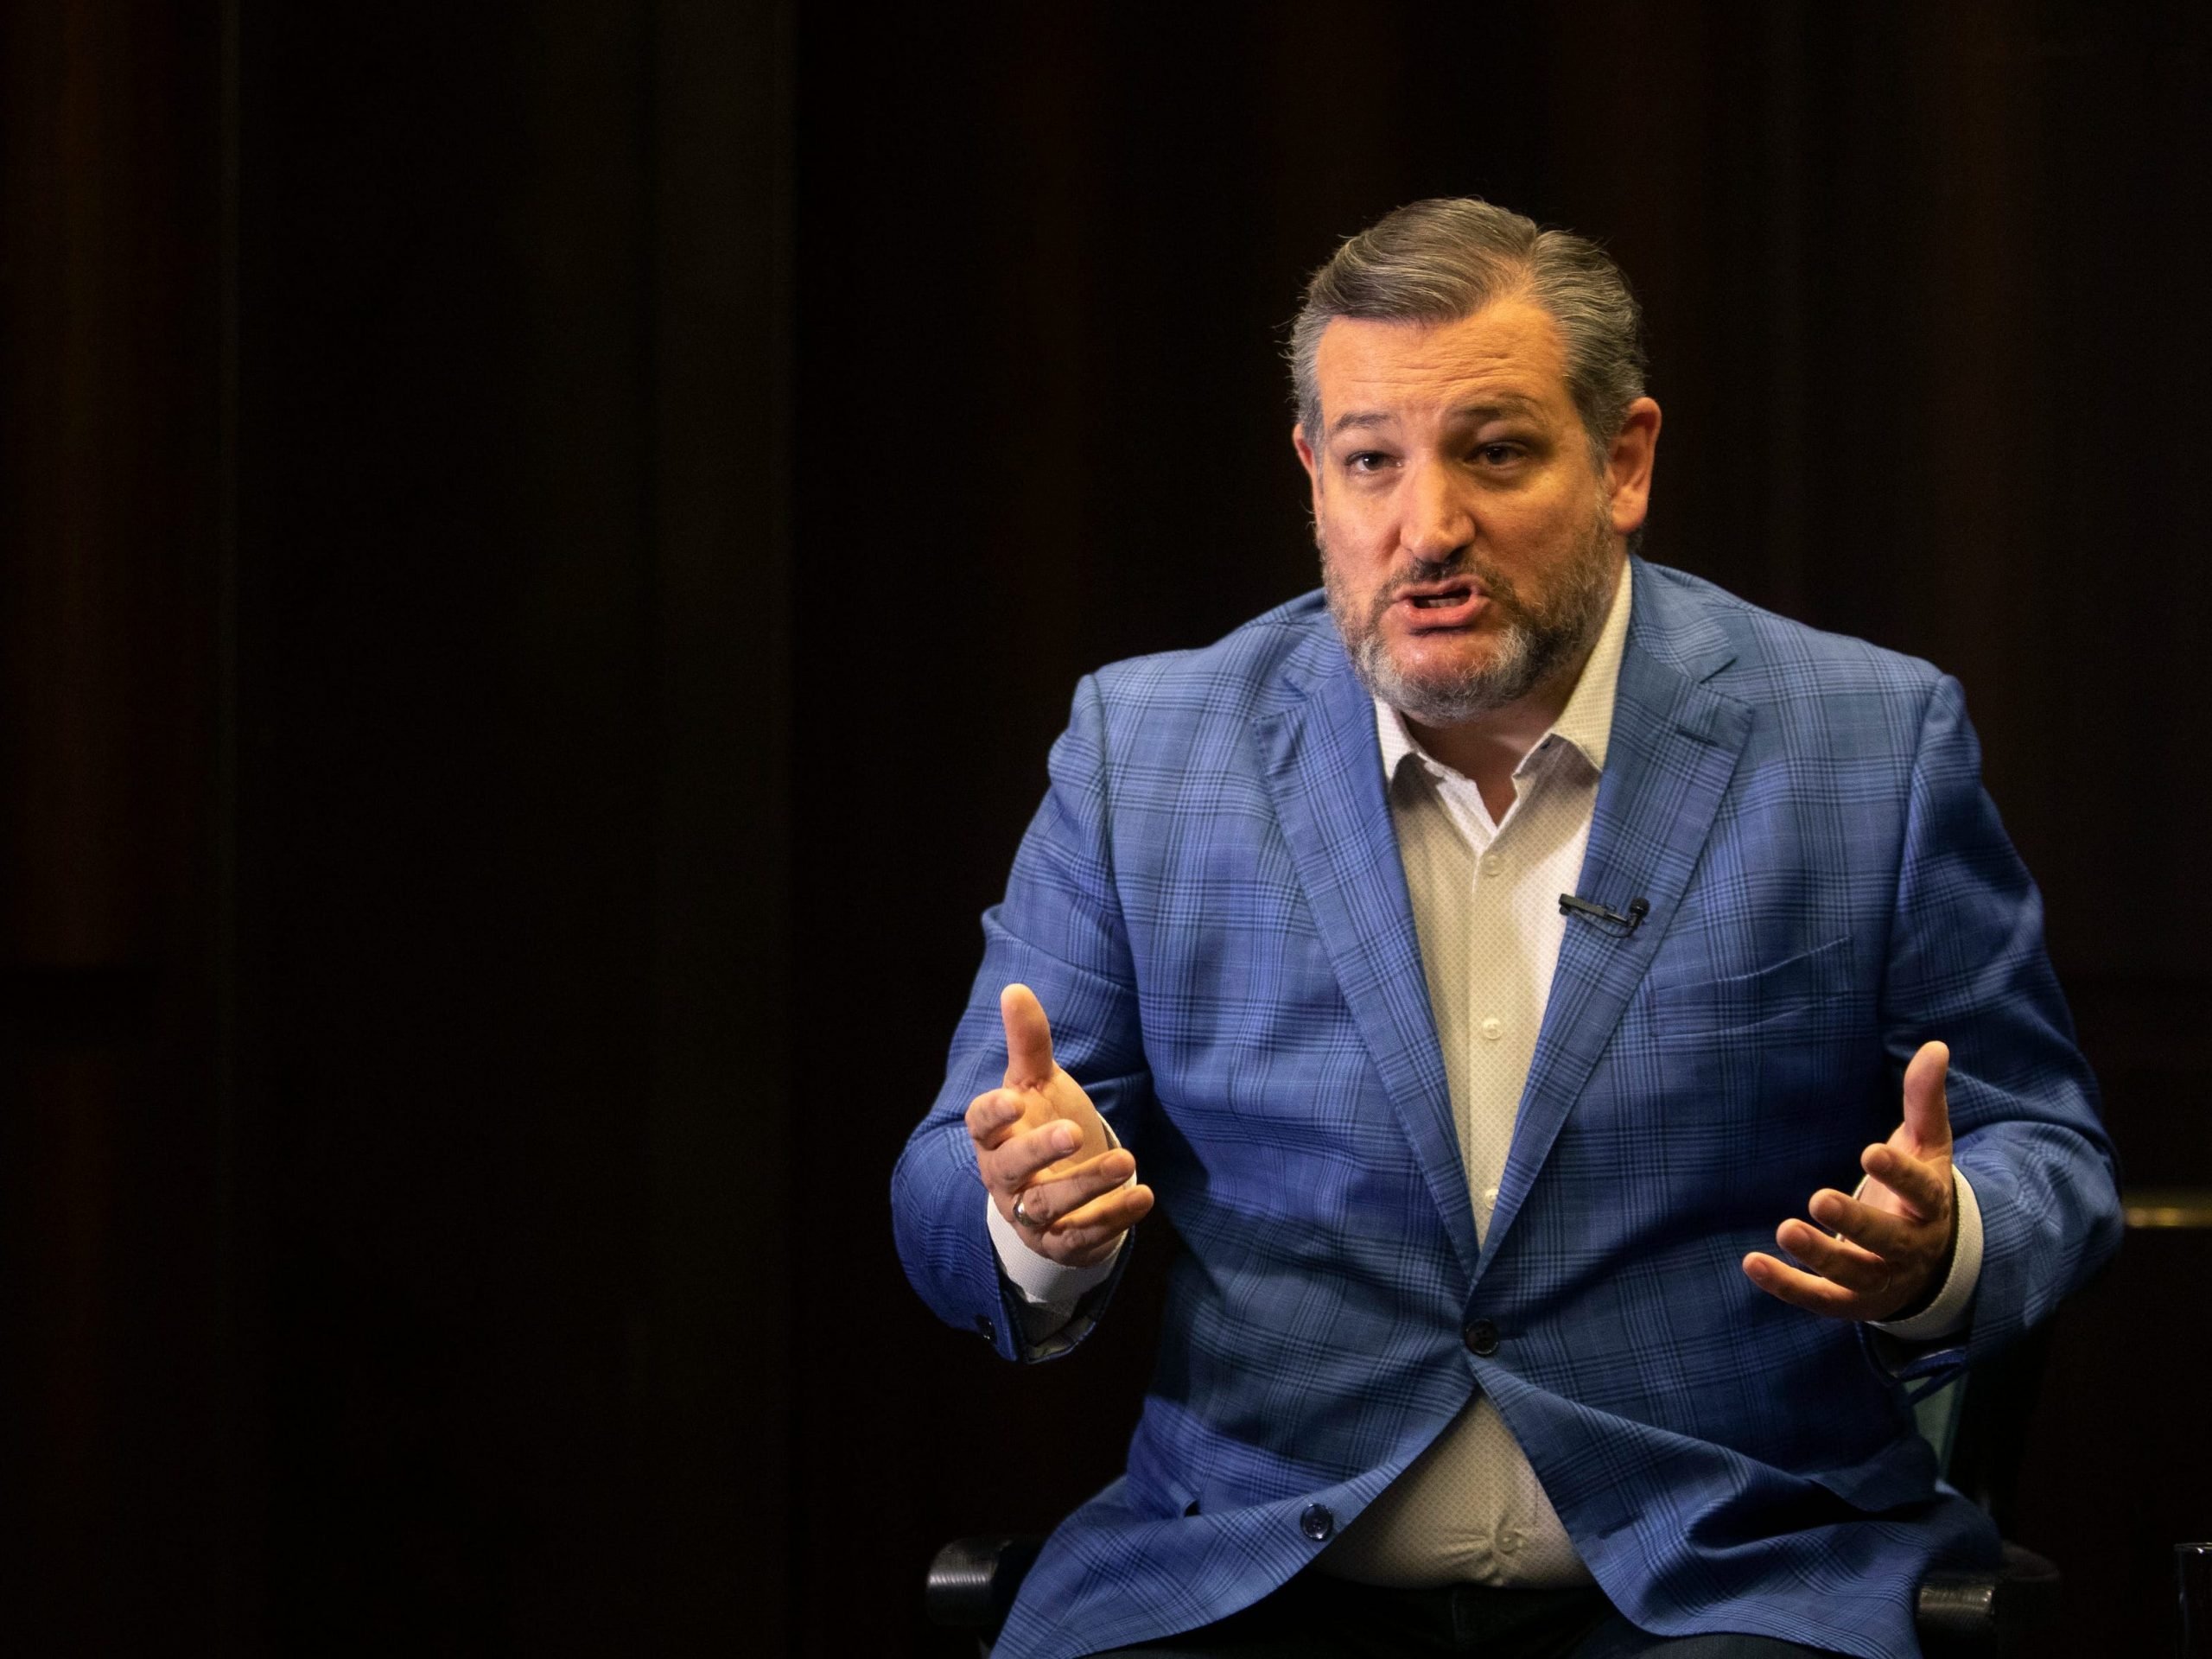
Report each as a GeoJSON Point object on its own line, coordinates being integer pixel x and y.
{"type": "Point", "coordinates": [1445, 673]}
{"type": "Point", "coordinates": [1448, 687]}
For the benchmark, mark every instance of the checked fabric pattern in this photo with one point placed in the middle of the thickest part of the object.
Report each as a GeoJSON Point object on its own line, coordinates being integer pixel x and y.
{"type": "Point", "coordinates": [1211, 905]}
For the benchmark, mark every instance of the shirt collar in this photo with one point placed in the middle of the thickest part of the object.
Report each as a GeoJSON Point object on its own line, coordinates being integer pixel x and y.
{"type": "Point", "coordinates": [1587, 722]}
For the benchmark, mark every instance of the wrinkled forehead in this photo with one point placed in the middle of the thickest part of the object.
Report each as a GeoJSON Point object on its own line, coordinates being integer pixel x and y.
{"type": "Point", "coordinates": [1509, 355]}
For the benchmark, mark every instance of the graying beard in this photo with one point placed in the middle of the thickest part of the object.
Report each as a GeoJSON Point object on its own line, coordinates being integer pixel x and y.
{"type": "Point", "coordinates": [1521, 663]}
{"type": "Point", "coordinates": [1510, 676]}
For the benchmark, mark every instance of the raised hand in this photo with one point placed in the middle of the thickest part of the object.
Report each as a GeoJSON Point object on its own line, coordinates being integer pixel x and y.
{"type": "Point", "coordinates": [1039, 1139]}
{"type": "Point", "coordinates": [1885, 1252]}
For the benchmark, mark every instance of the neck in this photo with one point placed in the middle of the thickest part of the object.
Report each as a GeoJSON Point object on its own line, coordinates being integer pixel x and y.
{"type": "Point", "coordinates": [1488, 748]}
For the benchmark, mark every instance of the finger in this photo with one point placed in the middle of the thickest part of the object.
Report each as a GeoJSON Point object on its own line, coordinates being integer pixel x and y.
{"type": "Point", "coordinates": [1116, 1210]}
{"type": "Point", "coordinates": [1892, 1237]}
{"type": "Point", "coordinates": [1801, 1289]}
{"type": "Point", "coordinates": [1028, 1037]}
{"type": "Point", "coordinates": [1836, 1260]}
{"type": "Point", "coordinates": [1927, 1105]}
{"type": "Point", "coordinates": [1020, 1159]}
{"type": "Point", "coordinates": [992, 1116]}
{"type": "Point", "coordinates": [1922, 1185]}
{"type": "Point", "coordinates": [1091, 1234]}
{"type": "Point", "coordinates": [1063, 1192]}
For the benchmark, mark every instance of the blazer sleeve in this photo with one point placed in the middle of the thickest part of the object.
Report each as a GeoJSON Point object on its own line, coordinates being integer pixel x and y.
{"type": "Point", "coordinates": [1966, 965]}
{"type": "Point", "coordinates": [1059, 931]}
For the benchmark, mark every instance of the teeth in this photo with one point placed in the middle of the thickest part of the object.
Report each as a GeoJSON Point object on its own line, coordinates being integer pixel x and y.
{"type": "Point", "coordinates": [1434, 601]}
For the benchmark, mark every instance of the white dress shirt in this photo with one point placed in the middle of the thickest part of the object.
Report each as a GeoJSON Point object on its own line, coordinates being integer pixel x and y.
{"type": "Point", "coordinates": [1486, 902]}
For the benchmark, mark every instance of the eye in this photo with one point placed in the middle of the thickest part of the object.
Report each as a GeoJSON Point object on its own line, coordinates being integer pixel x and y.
{"type": "Point", "coordinates": [1500, 453]}
{"type": "Point", "coordinates": [1366, 460]}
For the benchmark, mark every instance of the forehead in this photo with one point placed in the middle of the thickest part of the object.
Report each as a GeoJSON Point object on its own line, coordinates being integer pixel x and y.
{"type": "Point", "coordinates": [1510, 352]}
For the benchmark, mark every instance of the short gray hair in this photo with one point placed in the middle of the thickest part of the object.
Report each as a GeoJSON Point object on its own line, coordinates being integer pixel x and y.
{"type": "Point", "coordinates": [1437, 261]}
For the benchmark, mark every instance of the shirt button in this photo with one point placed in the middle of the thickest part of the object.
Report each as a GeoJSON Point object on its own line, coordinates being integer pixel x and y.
{"type": "Point", "coordinates": [1481, 1339]}
{"type": "Point", "coordinates": [1317, 1522]}
{"type": "Point", "coordinates": [1509, 1541]}
{"type": "Point", "coordinates": [1489, 1195]}
{"type": "Point", "coordinates": [1492, 1028]}
{"type": "Point", "coordinates": [1492, 863]}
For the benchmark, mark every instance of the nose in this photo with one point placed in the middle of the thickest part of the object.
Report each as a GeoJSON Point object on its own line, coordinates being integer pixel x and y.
{"type": "Point", "coordinates": [1439, 517]}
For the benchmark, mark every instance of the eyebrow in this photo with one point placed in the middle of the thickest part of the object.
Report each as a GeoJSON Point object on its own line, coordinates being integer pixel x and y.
{"type": "Point", "coordinates": [1497, 409]}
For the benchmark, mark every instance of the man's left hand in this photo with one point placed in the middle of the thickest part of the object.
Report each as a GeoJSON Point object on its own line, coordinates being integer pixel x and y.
{"type": "Point", "coordinates": [1883, 1253]}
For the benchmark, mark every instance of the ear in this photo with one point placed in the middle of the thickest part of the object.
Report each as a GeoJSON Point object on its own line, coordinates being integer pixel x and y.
{"type": "Point", "coordinates": [1628, 466]}
{"type": "Point", "coordinates": [1309, 461]}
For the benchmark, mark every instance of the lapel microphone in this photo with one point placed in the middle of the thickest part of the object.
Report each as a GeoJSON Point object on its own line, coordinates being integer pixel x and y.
{"type": "Point", "coordinates": [1607, 919]}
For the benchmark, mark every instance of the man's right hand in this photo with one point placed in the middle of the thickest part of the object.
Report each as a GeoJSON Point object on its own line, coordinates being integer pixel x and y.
{"type": "Point", "coordinates": [1039, 1139]}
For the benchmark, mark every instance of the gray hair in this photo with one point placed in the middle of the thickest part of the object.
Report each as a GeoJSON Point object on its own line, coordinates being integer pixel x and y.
{"type": "Point", "coordinates": [1437, 261]}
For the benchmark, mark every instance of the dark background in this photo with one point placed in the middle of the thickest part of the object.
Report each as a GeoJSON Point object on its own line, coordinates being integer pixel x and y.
{"type": "Point", "coordinates": [542, 548]}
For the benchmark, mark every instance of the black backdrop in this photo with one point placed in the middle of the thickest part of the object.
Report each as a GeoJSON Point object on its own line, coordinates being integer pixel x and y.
{"type": "Point", "coordinates": [543, 548]}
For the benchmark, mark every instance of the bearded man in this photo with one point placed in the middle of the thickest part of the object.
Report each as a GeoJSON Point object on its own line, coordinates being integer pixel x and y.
{"type": "Point", "coordinates": [1490, 966]}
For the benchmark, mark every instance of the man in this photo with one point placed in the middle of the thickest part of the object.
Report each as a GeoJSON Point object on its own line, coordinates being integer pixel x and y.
{"type": "Point", "coordinates": [1477, 969]}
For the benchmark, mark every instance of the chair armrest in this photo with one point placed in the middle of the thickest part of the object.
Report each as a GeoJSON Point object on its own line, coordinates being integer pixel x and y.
{"type": "Point", "coordinates": [1983, 1610]}
{"type": "Point", "coordinates": [972, 1583]}
{"type": "Point", "coordinates": [972, 1580]}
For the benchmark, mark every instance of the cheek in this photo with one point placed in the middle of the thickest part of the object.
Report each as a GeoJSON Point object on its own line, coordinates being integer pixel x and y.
{"type": "Point", "coordinates": [1535, 539]}
{"type": "Point", "coordinates": [1350, 574]}
{"type": "Point", "coordinates": [1358, 543]}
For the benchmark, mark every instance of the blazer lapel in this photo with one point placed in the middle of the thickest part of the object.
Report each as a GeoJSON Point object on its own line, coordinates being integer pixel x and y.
{"type": "Point", "coordinates": [1325, 772]}
{"type": "Point", "coordinates": [1674, 747]}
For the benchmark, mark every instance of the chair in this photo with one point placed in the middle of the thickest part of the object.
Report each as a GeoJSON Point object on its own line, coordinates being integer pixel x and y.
{"type": "Point", "coordinates": [1979, 1426]}
{"type": "Point", "coordinates": [972, 1581]}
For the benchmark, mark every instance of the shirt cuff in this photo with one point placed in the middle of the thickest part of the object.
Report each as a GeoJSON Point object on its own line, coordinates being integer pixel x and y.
{"type": "Point", "coordinates": [1042, 1281]}
{"type": "Point", "coordinates": [1947, 1315]}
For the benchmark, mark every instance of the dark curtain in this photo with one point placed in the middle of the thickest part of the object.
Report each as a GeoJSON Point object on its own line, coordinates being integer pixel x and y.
{"type": "Point", "coordinates": [541, 551]}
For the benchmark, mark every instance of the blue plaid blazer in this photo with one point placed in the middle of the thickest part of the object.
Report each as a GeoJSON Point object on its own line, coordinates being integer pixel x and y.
{"type": "Point", "coordinates": [1211, 905]}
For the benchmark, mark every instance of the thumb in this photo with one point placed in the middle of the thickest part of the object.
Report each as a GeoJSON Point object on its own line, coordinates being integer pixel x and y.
{"type": "Point", "coordinates": [1028, 1037]}
{"type": "Point", "coordinates": [1926, 1111]}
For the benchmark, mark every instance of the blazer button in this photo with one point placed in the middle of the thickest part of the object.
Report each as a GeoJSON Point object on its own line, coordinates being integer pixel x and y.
{"type": "Point", "coordinates": [985, 1330]}
{"type": "Point", "coordinates": [1482, 1338]}
{"type": "Point", "coordinates": [1317, 1522]}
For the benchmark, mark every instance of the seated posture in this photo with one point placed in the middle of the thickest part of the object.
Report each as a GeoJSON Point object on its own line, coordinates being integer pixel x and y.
{"type": "Point", "coordinates": [1489, 964]}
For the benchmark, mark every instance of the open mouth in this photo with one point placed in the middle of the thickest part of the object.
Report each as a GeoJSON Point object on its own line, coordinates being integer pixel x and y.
{"type": "Point", "coordinates": [1451, 606]}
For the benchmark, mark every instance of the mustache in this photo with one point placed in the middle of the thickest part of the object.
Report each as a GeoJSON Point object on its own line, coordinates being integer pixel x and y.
{"type": "Point", "coordinates": [1460, 562]}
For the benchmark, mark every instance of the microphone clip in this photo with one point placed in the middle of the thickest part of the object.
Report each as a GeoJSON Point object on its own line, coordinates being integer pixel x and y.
{"type": "Point", "coordinates": [1617, 923]}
